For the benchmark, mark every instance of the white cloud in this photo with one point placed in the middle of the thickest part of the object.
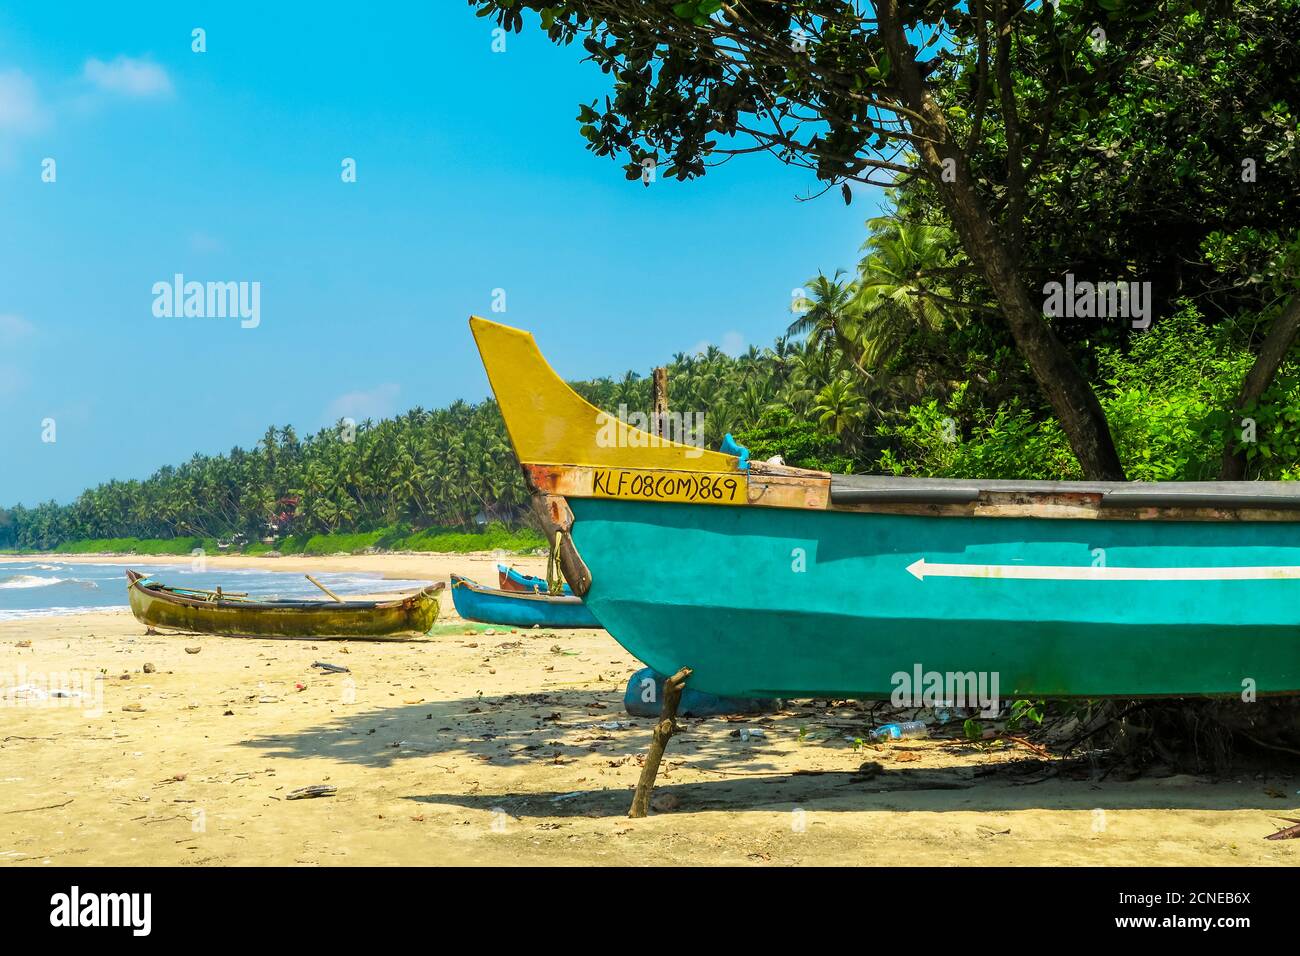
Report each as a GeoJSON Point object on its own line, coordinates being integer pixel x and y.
{"type": "Point", "coordinates": [378, 402]}
{"type": "Point", "coordinates": [14, 327]}
{"type": "Point", "coordinates": [733, 343]}
{"type": "Point", "coordinates": [20, 107]}
{"type": "Point", "coordinates": [126, 76]}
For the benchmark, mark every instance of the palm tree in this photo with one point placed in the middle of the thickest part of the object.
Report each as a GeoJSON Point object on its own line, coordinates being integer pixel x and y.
{"type": "Point", "coordinates": [840, 406]}
{"type": "Point", "coordinates": [902, 285]}
{"type": "Point", "coordinates": [825, 312]}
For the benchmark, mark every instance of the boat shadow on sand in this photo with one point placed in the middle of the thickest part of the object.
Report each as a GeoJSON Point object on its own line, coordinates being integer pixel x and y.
{"type": "Point", "coordinates": [514, 731]}
{"type": "Point", "coordinates": [559, 732]}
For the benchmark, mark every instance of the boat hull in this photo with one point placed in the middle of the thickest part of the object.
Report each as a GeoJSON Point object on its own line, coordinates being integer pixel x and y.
{"type": "Point", "coordinates": [846, 604]}
{"type": "Point", "coordinates": [517, 608]}
{"type": "Point", "coordinates": [404, 618]}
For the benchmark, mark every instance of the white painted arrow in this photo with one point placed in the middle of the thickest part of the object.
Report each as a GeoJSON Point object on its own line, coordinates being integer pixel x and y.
{"type": "Point", "coordinates": [1050, 572]}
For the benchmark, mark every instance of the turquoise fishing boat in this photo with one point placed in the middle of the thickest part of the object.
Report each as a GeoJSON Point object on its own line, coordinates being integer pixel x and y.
{"type": "Point", "coordinates": [509, 579]}
{"type": "Point", "coordinates": [474, 602]}
{"type": "Point", "coordinates": [774, 581]}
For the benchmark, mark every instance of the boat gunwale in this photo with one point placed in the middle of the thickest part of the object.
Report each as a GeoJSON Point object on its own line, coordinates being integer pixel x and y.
{"type": "Point", "coordinates": [865, 489]}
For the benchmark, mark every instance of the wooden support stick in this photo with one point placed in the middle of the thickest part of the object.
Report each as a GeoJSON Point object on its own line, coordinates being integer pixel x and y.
{"type": "Point", "coordinates": [323, 588]}
{"type": "Point", "coordinates": [663, 732]}
{"type": "Point", "coordinates": [659, 397]}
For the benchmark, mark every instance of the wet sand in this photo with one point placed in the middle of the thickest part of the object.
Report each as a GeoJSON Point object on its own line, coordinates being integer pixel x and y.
{"type": "Point", "coordinates": [513, 747]}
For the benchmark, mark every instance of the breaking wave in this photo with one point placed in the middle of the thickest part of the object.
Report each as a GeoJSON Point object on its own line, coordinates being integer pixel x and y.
{"type": "Point", "coordinates": [29, 581]}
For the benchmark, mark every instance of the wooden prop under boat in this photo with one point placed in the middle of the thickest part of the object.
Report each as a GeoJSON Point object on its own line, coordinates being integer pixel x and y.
{"type": "Point", "coordinates": [508, 579]}
{"type": "Point", "coordinates": [768, 580]}
{"type": "Point", "coordinates": [179, 609]}
{"type": "Point", "coordinates": [474, 602]}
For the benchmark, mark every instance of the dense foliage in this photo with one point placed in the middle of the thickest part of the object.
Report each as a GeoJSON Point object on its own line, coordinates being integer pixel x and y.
{"type": "Point", "coordinates": [388, 481]}
{"type": "Point", "coordinates": [1120, 141]}
{"type": "Point", "coordinates": [424, 469]}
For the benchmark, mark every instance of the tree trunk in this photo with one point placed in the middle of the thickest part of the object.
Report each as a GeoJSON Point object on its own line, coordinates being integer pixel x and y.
{"type": "Point", "coordinates": [1271, 355]}
{"type": "Point", "coordinates": [659, 398]}
{"type": "Point", "coordinates": [1071, 397]}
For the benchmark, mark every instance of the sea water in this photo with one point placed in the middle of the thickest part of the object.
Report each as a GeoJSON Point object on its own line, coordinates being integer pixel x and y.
{"type": "Point", "coordinates": [43, 587]}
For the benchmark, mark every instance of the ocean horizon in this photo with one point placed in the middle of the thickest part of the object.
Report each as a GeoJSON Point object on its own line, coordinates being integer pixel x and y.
{"type": "Point", "coordinates": [49, 587]}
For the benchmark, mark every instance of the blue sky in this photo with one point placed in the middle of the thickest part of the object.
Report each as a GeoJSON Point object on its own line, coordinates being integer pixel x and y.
{"type": "Point", "coordinates": [225, 166]}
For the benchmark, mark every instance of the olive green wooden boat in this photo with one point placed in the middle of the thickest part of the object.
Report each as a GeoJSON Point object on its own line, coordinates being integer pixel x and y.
{"type": "Point", "coordinates": [178, 609]}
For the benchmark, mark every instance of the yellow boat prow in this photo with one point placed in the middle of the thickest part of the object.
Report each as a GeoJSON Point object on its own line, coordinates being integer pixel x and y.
{"type": "Point", "coordinates": [551, 424]}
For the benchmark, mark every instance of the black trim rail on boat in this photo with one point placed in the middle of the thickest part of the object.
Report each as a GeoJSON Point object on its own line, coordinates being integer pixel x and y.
{"type": "Point", "coordinates": [885, 489]}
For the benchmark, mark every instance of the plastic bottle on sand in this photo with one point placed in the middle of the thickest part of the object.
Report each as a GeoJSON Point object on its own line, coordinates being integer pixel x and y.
{"type": "Point", "coordinates": [900, 730]}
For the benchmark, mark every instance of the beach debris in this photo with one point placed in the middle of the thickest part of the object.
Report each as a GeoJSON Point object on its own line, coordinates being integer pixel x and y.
{"type": "Point", "coordinates": [749, 733]}
{"type": "Point", "coordinates": [33, 692]}
{"type": "Point", "coordinates": [27, 692]}
{"type": "Point", "coordinates": [51, 806]}
{"type": "Point", "coordinates": [149, 668]}
{"type": "Point", "coordinates": [1287, 833]}
{"type": "Point", "coordinates": [561, 797]}
{"type": "Point", "coordinates": [268, 700]}
{"type": "Point", "coordinates": [133, 708]}
{"type": "Point", "coordinates": [23, 644]}
{"type": "Point", "coordinates": [898, 731]}
{"type": "Point", "coordinates": [192, 650]}
{"type": "Point", "coordinates": [315, 790]}
{"type": "Point", "coordinates": [421, 746]}
{"type": "Point", "coordinates": [331, 668]}
{"type": "Point", "coordinates": [615, 724]}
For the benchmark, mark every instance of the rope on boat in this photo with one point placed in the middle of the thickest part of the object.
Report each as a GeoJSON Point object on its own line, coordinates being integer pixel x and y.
{"type": "Point", "coordinates": [554, 576]}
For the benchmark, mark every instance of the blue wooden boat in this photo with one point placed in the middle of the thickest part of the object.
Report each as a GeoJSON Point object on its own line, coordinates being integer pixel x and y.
{"type": "Point", "coordinates": [508, 579]}
{"type": "Point", "coordinates": [474, 602]}
{"type": "Point", "coordinates": [885, 587]}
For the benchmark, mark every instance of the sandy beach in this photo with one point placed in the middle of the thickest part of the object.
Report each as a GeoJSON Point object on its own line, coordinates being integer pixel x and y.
{"type": "Point", "coordinates": [485, 745]}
